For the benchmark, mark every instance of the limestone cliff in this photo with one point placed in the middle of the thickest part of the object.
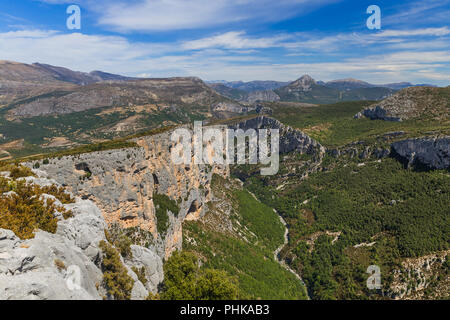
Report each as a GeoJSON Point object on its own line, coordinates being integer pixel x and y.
{"type": "Point", "coordinates": [122, 183]}
{"type": "Point", "coordinates": [291, 140]}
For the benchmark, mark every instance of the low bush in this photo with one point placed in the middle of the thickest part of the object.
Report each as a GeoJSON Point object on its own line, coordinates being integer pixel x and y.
{"type": "Point", "coordinates": [115, 276]}
{"type": "Point", "coordinates": [24, 210]}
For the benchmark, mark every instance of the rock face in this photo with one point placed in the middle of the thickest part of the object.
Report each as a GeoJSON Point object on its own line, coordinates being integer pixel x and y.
{"type": "Point", "coordinates": [122, 183]}
{"type": "Point", "coordinates": [267, 95]}
{"type": "Point", "coordinates": [377, 113]}
{"type": "Point", "coordinates": [305, 83]}
{"type": "Point", "coordinates": [433, 153]}
{"type": "Point", "coordinates": [290, 139]}
{"type": "Point", "coordinates": [66, 265]}
{"type": "Point", "coordinates": [224, 110]}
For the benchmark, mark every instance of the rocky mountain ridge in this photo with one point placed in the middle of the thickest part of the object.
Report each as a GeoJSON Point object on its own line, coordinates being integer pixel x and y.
{"type": "Point", "coordinates": [411, 103]}
{"type": "Point", "coordinates": [306, 89]}
{"type": "Point", "coordinates": [342, 84]}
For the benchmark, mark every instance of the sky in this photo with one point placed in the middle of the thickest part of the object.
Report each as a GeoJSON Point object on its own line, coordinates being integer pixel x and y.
{"type": "Point", "coordinates": [235, 39]}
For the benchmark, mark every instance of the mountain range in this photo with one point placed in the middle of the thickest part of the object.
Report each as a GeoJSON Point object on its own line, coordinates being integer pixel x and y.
{"type": "Point", "coordinates": [94, 106]}
{"type": "Point", "coordinates": [308, 90]}
{"type": "Point", "coordinates": [342, 84]}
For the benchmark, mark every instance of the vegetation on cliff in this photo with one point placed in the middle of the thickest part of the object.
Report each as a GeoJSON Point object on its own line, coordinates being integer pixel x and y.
{"type": "Point", "coordinates": [115, 276]}
{"type": "Point", "coordinates": [333, 125]}
{"type": "Point", "coordinates": [163, 204]}
{"type": "Point", "coordinates": [22, 207]}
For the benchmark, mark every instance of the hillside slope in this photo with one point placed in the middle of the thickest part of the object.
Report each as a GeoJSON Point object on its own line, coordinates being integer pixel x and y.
{"type": "Point", "coordinates": [412, 103]}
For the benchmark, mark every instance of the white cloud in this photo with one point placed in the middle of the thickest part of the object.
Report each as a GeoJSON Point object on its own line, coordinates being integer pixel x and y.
{"type": "Point", "coordinates": [75, 50]}
{"type": "Point", "coordinates": [415, 32]}
{"type": "Point", "coordinates": [418, 13]}
{"type": "Point", "coordinates": [164, 15]}
{"type": "Point", "coordinates": [220, 57]}
{"type": "Point", "coordinates": [234, 40]}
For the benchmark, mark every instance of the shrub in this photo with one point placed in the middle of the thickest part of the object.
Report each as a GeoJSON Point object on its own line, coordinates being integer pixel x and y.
{"type": "Point", "coordinates": [59, 193]}
{"type": "Point", "coordinates": [140, 272]}
{"type": "Point", "coordinates": [17, 171]}
{"type": "Point", "coordinates": [24, 211]}
{"type": "Point", "coordinates": [115, 277]}
{"type": "Point", "coordinates": [163, 204]}
{"type": "Point", "coordinates": [116, 236]}
{"type": "Point", "coordinates": [185, 280]}
{"type": "Point", "coordinates": [153, 297]}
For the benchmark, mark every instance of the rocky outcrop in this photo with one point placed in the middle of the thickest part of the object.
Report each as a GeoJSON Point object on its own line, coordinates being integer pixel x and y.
{"type": "Point", "coordinates": [414, 275]}
{"type": "Point", "coordinates": [290, 139]}
{"type": "Point", "coordinates": [410, 103]}
{"type": "Point", "coordinates": [432, 153]}
{"type": "Point", "coordinates": [67, 265]}
{"type": "Point", "coordinates": [377, 113]}
{"type": "Point", "coordinates": [267, 95]}
{"type": "Point", "coordinates": [224, 110]}
{"type": "Point", "coordinates": [122, 183]}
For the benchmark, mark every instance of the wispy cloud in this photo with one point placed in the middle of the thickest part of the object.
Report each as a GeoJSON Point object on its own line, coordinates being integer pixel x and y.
{"type": "Point", "coordinates": [235, 40]}
{"type": "Point", "coordinates": [418, 13]}
{"type": "Point", "coordinates": [118, 54]}
{"type": "Point", "coordinates": [415, 32]}
{"type": "Point", "coordinates": [166, 15]}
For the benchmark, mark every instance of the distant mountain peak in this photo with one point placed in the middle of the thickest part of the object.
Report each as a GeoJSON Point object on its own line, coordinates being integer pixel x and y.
{"type": "Point", "coordinates": [304, 83]}
{"type": "Point", "coordinates": [306, 79]}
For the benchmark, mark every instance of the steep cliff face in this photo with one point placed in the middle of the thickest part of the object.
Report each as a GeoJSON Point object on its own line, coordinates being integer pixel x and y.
{"type": "Point", "coordinates": [290, 139]}
{"type": "Point", "coordinates": [433, 153]}
{"type": "Point", "coordinates": [267, 95]}
{"type": "Point", "coordinates": [123, 183]}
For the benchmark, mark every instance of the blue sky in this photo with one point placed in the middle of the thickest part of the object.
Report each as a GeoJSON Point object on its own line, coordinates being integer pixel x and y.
{"type": "Point", "coordinates": [235, 39]}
